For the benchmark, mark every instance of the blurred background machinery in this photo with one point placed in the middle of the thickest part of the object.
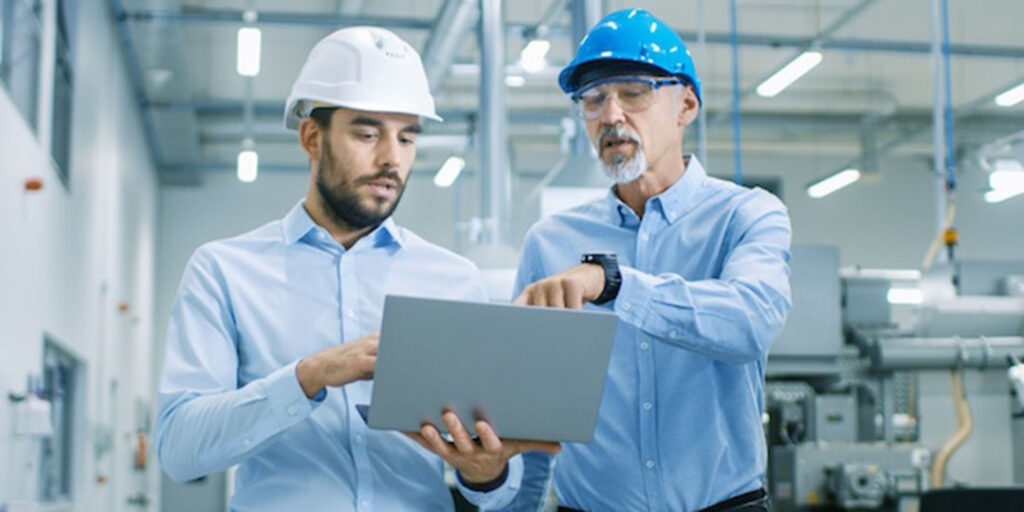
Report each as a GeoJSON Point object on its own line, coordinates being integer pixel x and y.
{"type": "Point", "coordinates": [888, 385]}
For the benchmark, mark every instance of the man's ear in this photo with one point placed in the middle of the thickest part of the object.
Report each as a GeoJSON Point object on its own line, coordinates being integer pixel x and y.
{"type": "Point", "coordinates": [309, 137]}
{"type": "Point", "coordinates": [689, 106]}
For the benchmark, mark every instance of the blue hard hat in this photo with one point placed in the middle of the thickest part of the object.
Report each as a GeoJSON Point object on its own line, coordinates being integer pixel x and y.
{"type": "Point", "coordinates": [631, 37]}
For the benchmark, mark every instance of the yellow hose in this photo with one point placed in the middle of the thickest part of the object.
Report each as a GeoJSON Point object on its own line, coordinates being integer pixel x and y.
{"type": "Point", "coordinates": [964, 427]}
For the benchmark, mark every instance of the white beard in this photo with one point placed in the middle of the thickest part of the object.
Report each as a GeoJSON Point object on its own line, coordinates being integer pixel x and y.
{"type": "Point", "coordinates": [622, 170]}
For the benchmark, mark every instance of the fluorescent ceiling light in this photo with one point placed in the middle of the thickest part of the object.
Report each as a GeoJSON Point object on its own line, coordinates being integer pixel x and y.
{"type": "Point", "coordinates": [905, 296]}
{"type": "Point", "coordinates": [248, 166]}
{"type": "Point", "coordinates": [515, 80]}
{"type": "Point", "coordinates": [833, 183]}
{"type": "Point", "coordinates": [996, 196]}
{"type": "Point", "coordinates": [449, 171]}
{"type": "Point", "coordinates": [1011, 97]}
{"type": "Point", "coordinates": [785, 77]}
{"type": "Point", "coordinates": [248, 61]}
{"type": "Point", "coordinates": [1006, 180]}
{"type": "Point", "coordinates": [533, 57]}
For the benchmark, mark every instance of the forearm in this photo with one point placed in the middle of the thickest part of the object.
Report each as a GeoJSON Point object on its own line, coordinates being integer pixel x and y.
{"type": "Point", "coordinates": [202, 434]}
{"type": "Point", "coordinates": [731, 320]}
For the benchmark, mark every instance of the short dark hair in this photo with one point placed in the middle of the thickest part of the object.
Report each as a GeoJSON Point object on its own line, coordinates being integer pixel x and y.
{"type": "Point", "coordinates": [322, 116]}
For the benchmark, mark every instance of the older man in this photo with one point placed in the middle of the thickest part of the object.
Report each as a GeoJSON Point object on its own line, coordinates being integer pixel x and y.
{"type": "Point", "coordinates": [695, 268]}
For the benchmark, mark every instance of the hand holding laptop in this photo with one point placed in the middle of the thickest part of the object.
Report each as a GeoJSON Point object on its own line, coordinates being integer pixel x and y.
{"type": "Point", "coordinates": [478, 460]}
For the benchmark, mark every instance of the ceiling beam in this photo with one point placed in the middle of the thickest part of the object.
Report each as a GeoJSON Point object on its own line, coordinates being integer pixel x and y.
{"type": "Point", "coordinates": [324, 19]}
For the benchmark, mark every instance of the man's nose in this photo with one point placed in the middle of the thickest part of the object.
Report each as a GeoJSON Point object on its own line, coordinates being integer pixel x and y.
{"type": "Point", "coordinates": [611, 112]}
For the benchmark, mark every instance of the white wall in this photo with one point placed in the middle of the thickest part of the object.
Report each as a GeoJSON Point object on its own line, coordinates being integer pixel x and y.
{"type": "Point", "coordinates": [70, 257]}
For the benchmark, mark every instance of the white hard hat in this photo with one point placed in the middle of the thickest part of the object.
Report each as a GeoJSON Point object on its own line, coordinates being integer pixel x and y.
{"type": "Point", "coordinates": [362, 68]}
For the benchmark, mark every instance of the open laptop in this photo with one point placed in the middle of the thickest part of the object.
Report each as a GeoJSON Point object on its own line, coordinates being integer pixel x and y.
{"type": "Point", "coordinates": [532, 373]}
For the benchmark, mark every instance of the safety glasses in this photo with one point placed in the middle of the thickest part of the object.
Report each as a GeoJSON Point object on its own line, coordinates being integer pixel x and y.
{"type": "Point", "coordinates": [631, 94]}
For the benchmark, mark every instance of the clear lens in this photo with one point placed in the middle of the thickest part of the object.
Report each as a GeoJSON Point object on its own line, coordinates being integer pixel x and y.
{"type": "Point", "coordinates": [631, 96]}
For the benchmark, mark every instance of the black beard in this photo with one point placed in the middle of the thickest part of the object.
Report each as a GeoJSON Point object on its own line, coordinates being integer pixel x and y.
{"type": "Point", "coordinates": [342, 201]}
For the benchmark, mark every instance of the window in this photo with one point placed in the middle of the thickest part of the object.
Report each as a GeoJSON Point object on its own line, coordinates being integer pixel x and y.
{"type": "Point", "coordinates": [63, 88]}
{"type": "Point", "coordinates": [21, 31]}
{"type": "Point", "coordinates": [60, 383]}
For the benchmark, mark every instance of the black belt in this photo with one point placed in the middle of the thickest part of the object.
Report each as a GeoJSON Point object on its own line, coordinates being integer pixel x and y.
{"type": "Point", "coordinates": [753, 501]}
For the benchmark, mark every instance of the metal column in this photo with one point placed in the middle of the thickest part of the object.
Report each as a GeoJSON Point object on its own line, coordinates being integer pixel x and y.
{"type": "Point", "coordinates": [494, 170]}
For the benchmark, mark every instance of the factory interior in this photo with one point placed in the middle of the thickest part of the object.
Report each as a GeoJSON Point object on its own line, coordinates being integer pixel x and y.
{"type": "Point", "coordinates": [133, 132]}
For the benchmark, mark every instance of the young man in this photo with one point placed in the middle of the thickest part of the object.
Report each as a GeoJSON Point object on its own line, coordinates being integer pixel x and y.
{"type": "Point", "coordinates": [695, 268]}
{"type": "Point", "coordinates": [273, 336]}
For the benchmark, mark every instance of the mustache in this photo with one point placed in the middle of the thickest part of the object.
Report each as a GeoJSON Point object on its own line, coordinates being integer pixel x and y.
{"type": "Point", "coordinates": [390, 174]}
{"type": "Point", "coordinates": [617, 132]}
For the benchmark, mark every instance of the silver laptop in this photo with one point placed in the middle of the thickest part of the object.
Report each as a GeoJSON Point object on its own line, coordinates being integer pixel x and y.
{"type": "Point", "coordinates": [532, 373]}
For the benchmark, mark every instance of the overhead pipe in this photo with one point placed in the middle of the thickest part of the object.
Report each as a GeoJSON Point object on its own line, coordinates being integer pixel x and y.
{"type": "Point", "coordinates": [135, 78]}
{"type": "Point", "coordinates": [702, 57]}
{"type": "Point", "coordinates": [736, 139]}
{"type": "Point", "coordinates": [454, 20]}
{"type": "Point", "coordinates": [751, 39]}
{"type": "Point", "coordinates": [547, 20]}
{"type": "Point", "coordinates": [966, 111]}
{"type": "Point", "coordinates": [495, 180]}
{"type": "Point", "coordinates": [819, 40]}
{"type": "Point", "coordinates": [950, 153]}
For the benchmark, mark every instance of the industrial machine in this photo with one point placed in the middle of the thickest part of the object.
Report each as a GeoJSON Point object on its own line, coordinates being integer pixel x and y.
{"type": "Point", "coordinates": [886, 385]}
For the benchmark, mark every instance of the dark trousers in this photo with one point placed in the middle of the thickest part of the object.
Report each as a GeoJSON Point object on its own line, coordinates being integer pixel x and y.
{"type": "Point", "coordinates": [753, 501]}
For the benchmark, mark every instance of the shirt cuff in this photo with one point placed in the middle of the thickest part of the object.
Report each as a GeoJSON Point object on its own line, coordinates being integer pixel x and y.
{"type": "Point", "coordinates": [286, 397]}
{"type": "Point", "coordinates": [633, 303]}
{"type": "Point", "coordinates": [500, 496]}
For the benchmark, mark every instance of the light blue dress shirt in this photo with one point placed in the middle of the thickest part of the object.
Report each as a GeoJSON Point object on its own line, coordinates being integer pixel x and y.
{"type": "Point", "coordinates": [248, 309]}
{"type": "Point", "coordinates": [705, 288]}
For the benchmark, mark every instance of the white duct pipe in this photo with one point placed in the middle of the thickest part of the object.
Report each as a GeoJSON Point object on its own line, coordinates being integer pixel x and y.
{"type": "Point", "coordinates": [495, 175]}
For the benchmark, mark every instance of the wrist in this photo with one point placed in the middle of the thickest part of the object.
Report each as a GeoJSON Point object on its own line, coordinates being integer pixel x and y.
{"type": "Point", "coordinates": [308, 373]}
{"type": "Point", "coordinates": [608, 263]}
{"type": "Point", "coordinates": [482, 482]}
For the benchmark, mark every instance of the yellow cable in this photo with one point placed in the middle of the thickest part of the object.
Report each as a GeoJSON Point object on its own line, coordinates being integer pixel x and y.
{"type": "Point", "coordinates": [964, 427]}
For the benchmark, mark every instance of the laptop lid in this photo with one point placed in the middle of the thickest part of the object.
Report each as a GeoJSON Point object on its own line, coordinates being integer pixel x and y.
{"type": "Point", "coordinates": [532, 373]}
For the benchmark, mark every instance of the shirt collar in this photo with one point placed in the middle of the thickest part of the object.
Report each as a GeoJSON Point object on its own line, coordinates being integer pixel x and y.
{"type": "Point", "coordinates": [671, 204]}
{"type": "Point", "coordinates": [297, 224]}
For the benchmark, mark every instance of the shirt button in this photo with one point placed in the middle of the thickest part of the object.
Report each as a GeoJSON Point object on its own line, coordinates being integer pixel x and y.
{"type": "Point", "coordinates": [648, 406]}
{"type": "Point", "coordinates": [644, 236]}
{"type": "Point", "coordinates": [673, 334]}
{"type": "Point", "coordinates": [644, 346]}
{"type": "Point", "coordinates": [321, 235]}
{"type": "Point", "coordinates": [359, 438]}
{"type": "Point", "coordinates": [366, 503]}
{"type": "Point", "coordinates": [625, 306]}
{"type": "Point", "coordinates": [247, 442]}
{"type": "Point", "coordinates": [350, 313]}
{"type": "Point", "coordinates": [292, 410]}
{"type": "Point", "coordinates": [650, 464]}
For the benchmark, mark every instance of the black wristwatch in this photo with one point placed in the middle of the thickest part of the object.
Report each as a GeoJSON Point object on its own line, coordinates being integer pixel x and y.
{"type": "Point", "coordinates": [612, 277]}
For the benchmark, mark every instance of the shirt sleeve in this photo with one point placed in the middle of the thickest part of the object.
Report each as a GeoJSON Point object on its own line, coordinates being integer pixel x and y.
{"type": "Point", "coordinates": [206, 423]}
{"type": "Point", "coordinates": [732, 318]}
